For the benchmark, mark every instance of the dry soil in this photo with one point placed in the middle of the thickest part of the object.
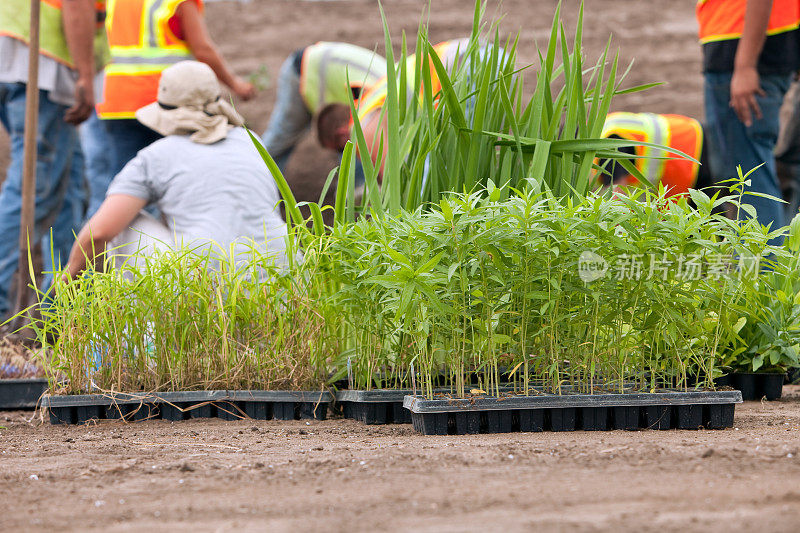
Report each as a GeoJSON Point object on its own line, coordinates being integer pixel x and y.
{"type": "Point", "coordinates": [339, 475]}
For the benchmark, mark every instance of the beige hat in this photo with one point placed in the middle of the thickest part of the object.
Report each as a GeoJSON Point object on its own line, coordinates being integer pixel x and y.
{"type": "Point", "coordinates": [190, 103]}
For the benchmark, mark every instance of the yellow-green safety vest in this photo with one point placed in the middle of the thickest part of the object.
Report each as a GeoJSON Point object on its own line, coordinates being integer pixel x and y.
{"type": "Point", "coordinates": [15, 22]}
{"type": "Point", "coordinates": [325, 69]}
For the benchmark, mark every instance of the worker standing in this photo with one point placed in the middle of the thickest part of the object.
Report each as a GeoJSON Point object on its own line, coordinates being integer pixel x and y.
{"type": "Point", "coordinates": [146, 37]}
{"type": "Point", "coordinates": [313, 81]}
{"type": "Point", "coordinates": [678, 132]}
{"type": "Point", "coordinates": [750, 49]}
{"type": "Point", "coordinates": [66, 98]}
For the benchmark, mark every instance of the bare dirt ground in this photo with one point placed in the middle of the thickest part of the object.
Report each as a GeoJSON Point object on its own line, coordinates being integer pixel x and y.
{"type": "Point", "coordinates": [338, 475]}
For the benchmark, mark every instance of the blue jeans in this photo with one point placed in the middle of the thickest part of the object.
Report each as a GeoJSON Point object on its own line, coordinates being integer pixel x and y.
{"type": "Point", "coordinates": [127, 136]}
{"type": "Point", "coordinates": [290, 118]}
{"type": "Point", "coordinates": [60, 196]}
{"type": "Point", "coordinates": [97, 149]}
{"type": "Point", "coordinates": [731, 143]}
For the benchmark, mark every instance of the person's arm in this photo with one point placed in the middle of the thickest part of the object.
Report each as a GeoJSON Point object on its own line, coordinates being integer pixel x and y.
{"type": "Point", "coordinates": [745, 82]}
{"type": "Point", "coordinates": [78, 17]}
{"type": "Point", "coordinates": [115, 214]}
{"type": "Point", "coordinates": [205, 51]}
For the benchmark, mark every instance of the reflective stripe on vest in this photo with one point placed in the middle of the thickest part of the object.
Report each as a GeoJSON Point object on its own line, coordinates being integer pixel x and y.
{"type": "Point", "coordinates": [372, 99]}
{"type": "Point", "coordinates": [375, 96]}
{"type": "Point", "coordinates": [325, 70]}
{"type": "Point", "coordinates": [142, 46]}
{"type": "Point", "coordinates": [675, 131]}
{"type": "Point", "coordinates": [15, 22]}
{"type": "Point", "coordinates": [722, 20]}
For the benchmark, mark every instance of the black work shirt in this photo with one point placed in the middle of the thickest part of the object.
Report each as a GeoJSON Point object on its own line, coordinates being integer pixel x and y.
{"type": "Point", "coordinates": [780, 55]}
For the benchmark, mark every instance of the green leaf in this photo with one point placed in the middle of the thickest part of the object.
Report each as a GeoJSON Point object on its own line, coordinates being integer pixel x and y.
{"type": "Point", "coordinates": [430, 265]}
{"type": "Point", "coordinates": [391, 168]}
{"type": "Point", "coordinates": [452, 270]}
{"type": "Point", "coordinates": [748, 209]}
{"type": "Point", "coordinates": [341, 210]}
{"type": "Point", "coordinates": [283, 186]}
{"type": "Point", "coordinates": [327, 185]}
{"type": "Point", "coordinates": [397, 257]}
{"type": "Point", "coordinates": [453, 105]}
{"type": "Point", "coordinates": [765, 195]}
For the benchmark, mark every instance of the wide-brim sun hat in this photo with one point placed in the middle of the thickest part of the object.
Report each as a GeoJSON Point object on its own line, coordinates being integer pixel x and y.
{"type": "Point", "coordinates": [190, 102]}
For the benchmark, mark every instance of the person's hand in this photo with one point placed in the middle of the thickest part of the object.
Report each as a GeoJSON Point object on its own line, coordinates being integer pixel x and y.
{"type": "Point", "coordinates": [84, 102]}
{"type": "Point", "coordinates": [745, 85]}
{"type": "Point", "coordinates": [70, 272]}
{"type": "Point", "coordinates": [243, 89]}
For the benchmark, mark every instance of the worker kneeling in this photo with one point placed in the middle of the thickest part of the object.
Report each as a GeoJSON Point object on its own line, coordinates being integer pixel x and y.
{"type": "Point", "coordinates": [675, 173]}
{"type": "Point", "coordinates": [205, 177]}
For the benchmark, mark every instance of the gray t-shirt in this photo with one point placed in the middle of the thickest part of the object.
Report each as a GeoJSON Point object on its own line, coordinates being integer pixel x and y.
{"type": "Point", "coordinates": [219, 192]}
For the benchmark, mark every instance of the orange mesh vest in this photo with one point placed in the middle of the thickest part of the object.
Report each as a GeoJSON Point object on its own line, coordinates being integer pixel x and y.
{"type": "Point", "coordinates": [675, 131]}
{"type": "Point", "coordinates": [721, 20]}
{"type": "Point", "coordinates": [142, 46]}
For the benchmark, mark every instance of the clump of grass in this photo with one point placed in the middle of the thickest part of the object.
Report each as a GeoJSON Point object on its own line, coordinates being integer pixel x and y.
{"type": "Point", "coordinates": [479, 127]}
{"type": "Point", "coordinates": [762, 324]}
{"type": "Point", "coordinates": [188, 319]}
{"type": "Point", "coordinates": [483, 286]}
{"type": "Point", "coordinates": [486, 291]}
{"type": "Point", "coordinates": [481, 290]}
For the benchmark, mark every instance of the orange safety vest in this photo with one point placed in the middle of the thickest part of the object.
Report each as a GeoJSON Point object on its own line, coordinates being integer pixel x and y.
{"type": "Point", "coordinates": [142, 46]}
{"type": "Point", "coordinates": [723, 20]}
{"type": "Point", "coordinates": [675, 131]}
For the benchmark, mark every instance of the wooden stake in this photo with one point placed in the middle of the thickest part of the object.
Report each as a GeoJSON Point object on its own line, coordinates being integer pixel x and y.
{"type": "Point", "coordinates": [26, 222]}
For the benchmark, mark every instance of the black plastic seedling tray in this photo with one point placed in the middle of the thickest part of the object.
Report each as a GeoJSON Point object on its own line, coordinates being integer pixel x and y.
{"type": "Point", "coordinates": [183, 405]}
{"type": "Point", "coordinates": [385, 406]}
{"type": "Point", "coordinates": [375, 406]}
{"type": "Point", "coordinates": [755, 386]}
{"type": "Point", "coordinates": [570, 412]}
{"type": "Point", "coordinates": [21, 393]}
{"type": "Point", "coordinates": [381, 406]}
